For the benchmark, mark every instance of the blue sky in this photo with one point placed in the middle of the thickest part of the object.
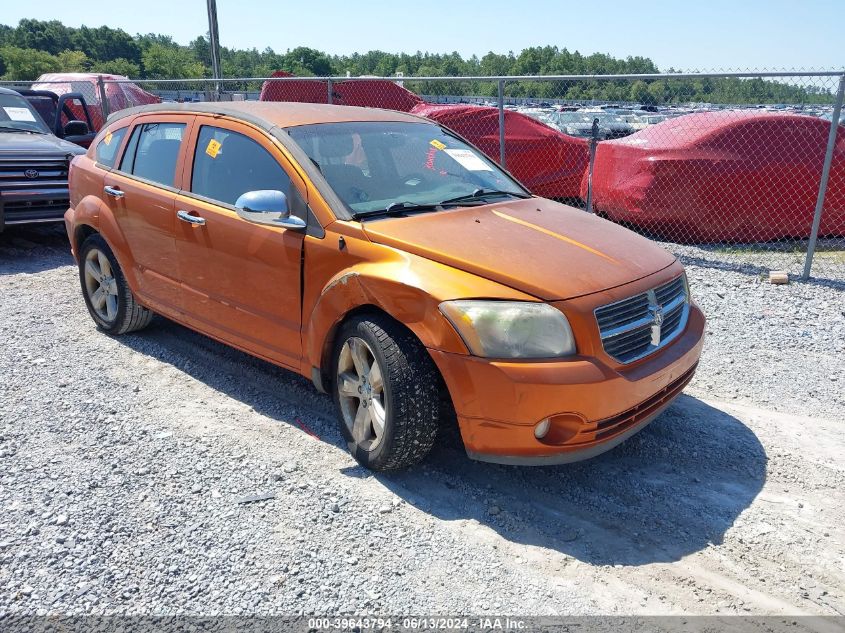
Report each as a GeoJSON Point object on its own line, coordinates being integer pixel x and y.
{"type": "Point", "coordinates": [686, 34]}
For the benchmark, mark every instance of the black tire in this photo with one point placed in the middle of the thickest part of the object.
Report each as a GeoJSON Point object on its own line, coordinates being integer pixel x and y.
{"type": "Point", "coordinates": [129, 315]}
{"type": "Point", "coordinates": [411, 393]}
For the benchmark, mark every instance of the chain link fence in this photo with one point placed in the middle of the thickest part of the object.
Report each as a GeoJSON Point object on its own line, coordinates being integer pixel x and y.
{"type": "Point", "coordinates": [739, 170]}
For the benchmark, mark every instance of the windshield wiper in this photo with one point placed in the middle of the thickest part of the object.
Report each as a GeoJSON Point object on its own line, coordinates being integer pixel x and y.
{"type": "Point", "coordinates": [481, 194]}
{"type": "Point", "coordinates": [17, 129]}
{"type": "Point", "coordinates": [396, 208]}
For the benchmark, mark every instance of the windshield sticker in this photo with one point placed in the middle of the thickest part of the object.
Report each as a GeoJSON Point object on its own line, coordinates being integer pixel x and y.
{"type": "Point", "coordinates": [19, 114]}
{"type": "Point", "coordinates": [468, 160]}
{"type": "Point", "coordinates": [429, 159]}
{"type": "Point", "coordinates": [213, 148]}
{"type": "Point", "coordinates": [438, 144]}
{"type": "Point", "coordinates": [108, 138]}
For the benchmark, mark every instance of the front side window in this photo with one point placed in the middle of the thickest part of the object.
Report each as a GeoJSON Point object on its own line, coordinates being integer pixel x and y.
{"type": "Point", "coordinates": [376, 166]}
{"type": "Point", "coordinates": [152, 152]}
{"type": "Point", "coordinates": [228, 164]}
{"type": "Point", "coordinates": [106, 151]}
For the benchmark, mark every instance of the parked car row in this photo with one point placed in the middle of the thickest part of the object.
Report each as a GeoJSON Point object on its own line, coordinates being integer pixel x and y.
{"type": "Point", "coordinates": [546, 148]}
{"type": "Point", "coordinates": [759, 186]}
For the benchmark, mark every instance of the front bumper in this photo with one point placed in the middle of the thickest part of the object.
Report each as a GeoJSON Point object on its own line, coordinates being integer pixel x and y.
{"type": "Point", "coordinates": [32, 206]}
{"type": "Point", "coordinates": [593, 404]}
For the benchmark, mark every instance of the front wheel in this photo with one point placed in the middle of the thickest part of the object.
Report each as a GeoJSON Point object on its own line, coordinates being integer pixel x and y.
{"type": "Point", "coordinates": [386, 393]}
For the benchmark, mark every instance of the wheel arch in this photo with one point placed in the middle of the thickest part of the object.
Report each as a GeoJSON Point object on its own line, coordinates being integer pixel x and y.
{"type": "Point", "coordinates": [91, 216]}
{"type": "Point", "coordinates": [351, 295]}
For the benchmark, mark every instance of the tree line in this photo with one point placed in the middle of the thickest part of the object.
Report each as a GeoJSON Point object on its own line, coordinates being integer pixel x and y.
{"type": "Point", "coordinates": [35, 47]}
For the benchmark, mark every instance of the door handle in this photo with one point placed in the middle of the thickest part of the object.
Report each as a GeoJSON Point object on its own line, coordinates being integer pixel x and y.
{"type": "Point", "coordinates": [190, 219]}
{"type": "Point", "coordinates": [114, 192]}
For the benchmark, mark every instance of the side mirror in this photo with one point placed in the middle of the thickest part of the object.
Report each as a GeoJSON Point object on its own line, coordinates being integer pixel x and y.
{"type": "Point", "coordinates": [76, 128]}
{"type": "Point", "coordinates": [267, 206]}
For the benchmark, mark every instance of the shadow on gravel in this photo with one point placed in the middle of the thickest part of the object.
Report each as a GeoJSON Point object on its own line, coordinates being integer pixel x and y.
{"type": "Point", "coordinates": [667, 492]}
{"type": "Point", "coordinates": [33, 248]}
{"type": "Point", "coordinates": [822, 275]}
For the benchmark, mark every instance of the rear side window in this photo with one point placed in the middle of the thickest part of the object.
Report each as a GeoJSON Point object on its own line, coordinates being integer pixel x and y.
{"type": "Point", "coordinates": [152, 152]}
{"type": "Point", "coordinates": [228, 164]}
{"type": "Point", "coordinates": [106, 151]}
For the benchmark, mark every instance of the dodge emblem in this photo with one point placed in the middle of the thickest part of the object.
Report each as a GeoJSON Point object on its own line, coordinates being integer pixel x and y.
{"type": "Point", "coordinates": [31, 173]}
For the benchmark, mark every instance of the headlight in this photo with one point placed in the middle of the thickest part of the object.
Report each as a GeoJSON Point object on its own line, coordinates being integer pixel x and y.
{"type": "Point", "coordinates": [510, 329]}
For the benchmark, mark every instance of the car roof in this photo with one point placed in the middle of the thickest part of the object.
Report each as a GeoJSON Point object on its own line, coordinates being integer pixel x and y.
{"type": "Point", "coordinates": [276, 114]}
{"type": "Point", "coordinates": [7, 91]}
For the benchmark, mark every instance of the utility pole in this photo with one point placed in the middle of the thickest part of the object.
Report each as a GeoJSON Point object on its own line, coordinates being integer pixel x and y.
{"type": "Point", "coordinates": [214, 44]}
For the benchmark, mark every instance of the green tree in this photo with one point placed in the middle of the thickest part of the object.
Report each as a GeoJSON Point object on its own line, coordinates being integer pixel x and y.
{"type": "Point", "coordinates": [117, 66]}
{"type": "Point", "coordinates": [657, 90]}
{"type": "Point", "coordinates": [105, 44]}
{"type": "Point", "coordinates": [49, 37]}
{"type": "Point", "coordinates": [165, 62]}
{"type": "Point", "coordinates": [27, 63]}
{"type": "Point", "coordinates": [73, 61]}
{"type": "Point", "coordinates": [639, 92]}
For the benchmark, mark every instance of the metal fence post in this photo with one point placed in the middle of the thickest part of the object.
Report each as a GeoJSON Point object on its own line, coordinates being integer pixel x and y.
{"type": "Point", "coordinates": [104, 102]}
{"type": "Point", "coordinates": [330, 95]}
{"type": "Point", "coordinates": [502, 123]}
{"type": "Point", "coordinates": [828, 159]}
{"type": "Point", "coordinates": [594, 140]}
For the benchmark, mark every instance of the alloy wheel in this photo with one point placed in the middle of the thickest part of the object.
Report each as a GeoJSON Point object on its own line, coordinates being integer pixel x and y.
{"type": "Point", "coordinates": [101, 285]}
{"type": "Point", "coordinates": [360, 385]}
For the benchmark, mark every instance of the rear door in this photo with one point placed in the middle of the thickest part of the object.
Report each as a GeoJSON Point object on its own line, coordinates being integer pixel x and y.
{"type": "Point", "coordinates": [141, 193]}
{"type": "Point", "coordinates": [241, 280]}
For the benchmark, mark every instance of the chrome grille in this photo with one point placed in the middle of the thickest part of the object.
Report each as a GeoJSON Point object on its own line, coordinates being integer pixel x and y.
{"type": "Point", "coordinates": [637, 326]}
{"type": "Point", "coordinates": [23, 173]}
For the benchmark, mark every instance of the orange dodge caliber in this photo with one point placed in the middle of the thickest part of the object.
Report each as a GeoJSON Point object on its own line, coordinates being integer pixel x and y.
{"type": "Point", "coordinates": [392, 263]}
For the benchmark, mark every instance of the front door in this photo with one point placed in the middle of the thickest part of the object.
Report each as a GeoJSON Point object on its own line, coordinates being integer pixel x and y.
{"type": "Point", "coordinates": [141, 193]}
{"type": "Point", "coordinates": [241, 281]}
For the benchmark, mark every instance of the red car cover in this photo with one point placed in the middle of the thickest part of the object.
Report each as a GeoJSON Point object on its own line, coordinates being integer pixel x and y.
{"type": "Point", "coordinates": [735, 176]}
{"type": "Point", "coordinates": [549, 163]}
{"type": "Point", "coordinates": [119, 95]}
{"type": "Point", "coordinates": [375, 93]}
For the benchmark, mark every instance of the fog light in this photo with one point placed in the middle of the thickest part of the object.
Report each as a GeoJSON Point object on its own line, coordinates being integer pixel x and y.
{"type": "Point", "coordinates": [541, 429]}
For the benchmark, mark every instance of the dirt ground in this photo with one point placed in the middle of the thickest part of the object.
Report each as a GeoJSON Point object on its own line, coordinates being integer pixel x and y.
{"type": "Point", "coordinates": [124, 463]}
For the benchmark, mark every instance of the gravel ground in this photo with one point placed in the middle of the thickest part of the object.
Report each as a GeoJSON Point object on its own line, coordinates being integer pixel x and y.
{"type": "Point", "coordinates": [163, 473]}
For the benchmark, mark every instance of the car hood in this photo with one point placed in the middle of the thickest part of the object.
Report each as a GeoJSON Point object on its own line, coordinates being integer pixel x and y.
{"type": "Point", "coordinates": [546, 249]}
{"type": "Point", "coordinates": [23, 143]}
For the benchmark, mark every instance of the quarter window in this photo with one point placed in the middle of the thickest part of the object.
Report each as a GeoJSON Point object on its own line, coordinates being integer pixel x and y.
{"type": "Point", "coordinates": [228, 164]}
{"type": "Point", "coordinates": [106, 151]}
{"type": "Point", "coordinates": [152, 152]}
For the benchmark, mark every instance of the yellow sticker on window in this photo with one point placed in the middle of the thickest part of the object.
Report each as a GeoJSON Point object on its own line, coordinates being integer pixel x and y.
{"type": "Point", "coordinates": [438, 144]}
{"type": "Point", "coordinates": [107, 140]}
{"type": "Point", "coordinates": [213, 148]}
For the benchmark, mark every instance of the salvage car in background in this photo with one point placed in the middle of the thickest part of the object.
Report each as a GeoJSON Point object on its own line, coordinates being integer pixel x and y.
{"type": "Point", "coordinates": [33, 165]}
{"type": "Point", "coordinates": [579, 124]}
{"type": "Point", "coordinates": [60, 114]}
{"type": "Point", "coordinates": [738, 176]}
{"type": "Point", "coordinates": [119, 95]}
{"type": "Point", "coordinates": [392, 263]}
{"type": "Point", "coordinates": [546, 161]}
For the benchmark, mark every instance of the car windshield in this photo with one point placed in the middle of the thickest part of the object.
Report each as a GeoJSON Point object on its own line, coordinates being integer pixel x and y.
{"type": "Point", "coordinates": [17, 115]}
{"type": "Point", "coordinates": [373, 165]}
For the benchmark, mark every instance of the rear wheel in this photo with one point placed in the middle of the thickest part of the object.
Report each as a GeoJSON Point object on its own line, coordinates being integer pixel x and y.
{"type": "Point", "coordinates": [107, 295]}
{"type": "Point", "coordinates": [386, 393]}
